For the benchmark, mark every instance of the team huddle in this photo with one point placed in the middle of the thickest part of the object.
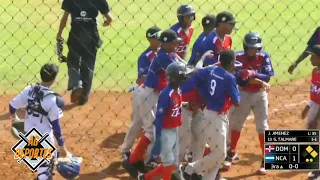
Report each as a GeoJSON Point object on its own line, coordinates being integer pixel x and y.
{"type": "Point", "coordinates": [184, 109]}
{"type": "Point", "coordinates": [188, 115]}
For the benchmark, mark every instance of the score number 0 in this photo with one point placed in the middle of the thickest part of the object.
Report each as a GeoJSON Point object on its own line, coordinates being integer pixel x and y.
{"type": "Point", "coordinates": [293, 166]}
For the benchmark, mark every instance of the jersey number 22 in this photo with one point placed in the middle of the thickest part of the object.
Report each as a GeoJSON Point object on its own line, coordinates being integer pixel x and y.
{"type": "Point", "coordinates": [213, 85]}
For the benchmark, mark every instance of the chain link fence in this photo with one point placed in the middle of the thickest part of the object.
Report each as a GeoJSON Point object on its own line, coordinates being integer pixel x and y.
{"type": "Point", "coordinates": [96, 131]}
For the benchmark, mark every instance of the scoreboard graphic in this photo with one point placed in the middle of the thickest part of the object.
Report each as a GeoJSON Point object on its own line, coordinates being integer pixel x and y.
{"type": "Point", "coordinates": [291, 150]}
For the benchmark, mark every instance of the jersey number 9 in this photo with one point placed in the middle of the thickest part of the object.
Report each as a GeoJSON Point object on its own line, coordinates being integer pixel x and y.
{"type": "Point", "coordinates": [213, 85]}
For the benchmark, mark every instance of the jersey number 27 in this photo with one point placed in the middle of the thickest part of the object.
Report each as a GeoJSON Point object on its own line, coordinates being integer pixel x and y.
{"type": "Point", "coordinates": [213, 85]}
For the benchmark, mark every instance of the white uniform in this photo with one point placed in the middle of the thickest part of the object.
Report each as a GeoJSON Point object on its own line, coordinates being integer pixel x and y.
{"type": "Point", "coordinates": [41, 122]}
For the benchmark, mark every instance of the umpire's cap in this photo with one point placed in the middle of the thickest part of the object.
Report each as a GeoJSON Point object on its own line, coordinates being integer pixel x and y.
{"type": "Point", "coordinates": [169, 36]}
{"type": "Point", "coordinates": [209, 20]}
{"type": "Point", "coordinates": [314, 50]}
{"type": "Point", "coordinates": [153, 32]}
{"type": "Point", "coordinates": [227, 57]}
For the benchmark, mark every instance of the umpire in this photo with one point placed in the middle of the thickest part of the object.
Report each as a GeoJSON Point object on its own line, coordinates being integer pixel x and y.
{"type": "Point", "coordinates": [83, 42]}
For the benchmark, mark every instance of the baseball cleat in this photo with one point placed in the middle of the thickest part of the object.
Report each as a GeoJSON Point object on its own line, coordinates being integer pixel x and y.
{"type": "Point", "coordinates": [152, 165]}
{"type": "Point", "coordinates": [231, 156]}
{"type": "Point", "coordinates": [262, 170]}
{"type": "Point", "coordinates": [185, 176]}
{"type": "Point", "coordinates": [140, 167]}
{"type": "Point", "coordinates": [141, 177]}
{"type": "Point", "coordinates": [76, 94]}
{"type": "Point", "coordinates": [125, 156]}
{"type": "Point", "coordinates": [132, 171]}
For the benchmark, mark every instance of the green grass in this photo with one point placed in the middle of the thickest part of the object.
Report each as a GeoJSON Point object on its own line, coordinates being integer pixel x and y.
{"type": "Point", "coordinates": [28, 30]}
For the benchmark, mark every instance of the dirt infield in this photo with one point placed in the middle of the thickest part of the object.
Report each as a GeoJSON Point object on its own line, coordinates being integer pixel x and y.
{"type": "Point", "coordinates": [96, 131]}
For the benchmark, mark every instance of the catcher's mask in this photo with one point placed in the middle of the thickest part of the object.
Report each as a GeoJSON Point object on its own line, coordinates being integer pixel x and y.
{"type": "Point", "coordinates": [70, 168]}
{"type": "Point", "coordinates": [178, 72]}
{"type": "Point", "coordinates": [252, 40]}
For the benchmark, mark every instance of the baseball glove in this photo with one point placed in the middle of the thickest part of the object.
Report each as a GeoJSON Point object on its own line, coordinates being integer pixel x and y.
{"type": "Point", "coordinates": [17, 126]}
{"type": "Point", "coordinates": [59, 50]}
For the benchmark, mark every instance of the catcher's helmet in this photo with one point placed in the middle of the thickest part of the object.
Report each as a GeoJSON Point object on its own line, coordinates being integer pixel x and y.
{"type": "Point", "coordinates": [69, 169]}
{"type": "Point", "coordinates": [185, 10]}
{"type": "Point", "coordinates": [178, 72]}
{"type": "Point", "coordinates": [252, 39]}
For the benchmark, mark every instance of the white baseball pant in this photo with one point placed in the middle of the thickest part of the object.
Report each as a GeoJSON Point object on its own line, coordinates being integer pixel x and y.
{"type": "Point", "coordinates": [214, 127]}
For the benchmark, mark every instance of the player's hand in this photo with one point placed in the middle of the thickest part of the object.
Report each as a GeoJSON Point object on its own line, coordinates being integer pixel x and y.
{"type": "Point", "coordinates": [265, 86]}
{"type": "Point", "coordinates": [291, 68]}
{"type": "Point", "coordinates": [106, 22]}
{"type": "Point", "coordinates": [208, 54]}
{"type": "Point", "coordinates": [62, 152]}
{"type": "Point", "coordinates": [305, 112]}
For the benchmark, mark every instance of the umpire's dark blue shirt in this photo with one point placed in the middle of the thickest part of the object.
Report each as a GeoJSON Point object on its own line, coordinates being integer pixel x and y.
{"type": "Point", "coordinates": [84, 12]}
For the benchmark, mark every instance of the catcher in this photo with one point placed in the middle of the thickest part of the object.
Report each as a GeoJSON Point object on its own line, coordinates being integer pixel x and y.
{"type": "Point", "coordinates": [44, 110]}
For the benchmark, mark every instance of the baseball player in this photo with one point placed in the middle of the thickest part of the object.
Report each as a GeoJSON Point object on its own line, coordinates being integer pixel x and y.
{"type": "Point", "coordinates": [220, 38]}
{"type": "Point", "coordinates": [144, 62]}
{"type": "Point", "coordinates": [208, 23]}
{"type": "Point", "coordinates": [148, 95]}
{"type": "Point", "coordinates": [83, 43]}
{"type": "Point", "coordinates": [168, 119]}
{"type": "Point", "coordinates": [43, 112]}
{"type": "Point", "coordinates": [314, 40]}
{"type": "Point", "coordinates": [186, 15]}
{"type": "Point", "coordinates": [313, 107]}
{"type": "Point", "coordinates": [221, 93]}
{"type": "Point", "coordinates": [253, 97]}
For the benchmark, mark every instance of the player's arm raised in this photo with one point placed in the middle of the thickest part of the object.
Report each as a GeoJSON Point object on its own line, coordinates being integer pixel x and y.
{"type": "Point", "coordinates": [314, 39]}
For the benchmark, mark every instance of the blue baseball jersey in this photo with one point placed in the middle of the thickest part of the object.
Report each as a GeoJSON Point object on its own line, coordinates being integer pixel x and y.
{"type": "Point", "coordinates": [315, 38]}
{"type": "Point", "coordinates": [156, 77]}
{"type": "Point", "coordinates": [217, 86]}
{"type": "Point", "coordinates": [195, 55]}
{"type": "Point", "coordinates": [168, 113]}
{"type": "Point", "coordinates": [144, 62]}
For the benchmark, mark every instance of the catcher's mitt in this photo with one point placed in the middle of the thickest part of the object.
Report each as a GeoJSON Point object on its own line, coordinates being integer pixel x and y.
{"type": "Point", "coordinates": [17, 126]}
{"type": "Point", "coordinates": [59, 50]}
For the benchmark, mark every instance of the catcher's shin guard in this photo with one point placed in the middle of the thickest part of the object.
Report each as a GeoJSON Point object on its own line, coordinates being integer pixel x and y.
{"type": "Point", "coordinates": [45, 171]}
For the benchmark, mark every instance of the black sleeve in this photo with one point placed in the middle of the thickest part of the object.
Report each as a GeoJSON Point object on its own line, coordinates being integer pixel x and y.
{"type": "Point", "coordinates": [315, 38]}
{"type": "Point", "coordinates": [103, 7]}
{"type": "Point", "coordinates": [66, 5]}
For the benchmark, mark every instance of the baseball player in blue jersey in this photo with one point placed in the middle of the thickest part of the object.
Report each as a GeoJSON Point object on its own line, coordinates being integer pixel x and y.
{"type": "Point", "coordinates": [44, 110]}
{"type": "Point", "coordinates": [144, 61]}
{"type": "Point", "coordinates": [168, 119]}
{"type": "Point", "coordinates": [253, 96]}
{"type": "Point", "coordinates": [208, 23]}
{"type": "Point", "coordinates": [221, 93]}
{"type": "Point", "coordinates": [148, 95]}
